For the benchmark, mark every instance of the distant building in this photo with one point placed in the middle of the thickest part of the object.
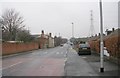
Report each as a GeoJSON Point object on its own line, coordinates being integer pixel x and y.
{"type": "Point", "coordinates": [50, 41]}
{"type": "Point", "coordinates": [57, 41]}
{"type": "Point", "coordinates": [113, 33]}
{"type": "Point", "coordinates": [109, 31]}
{"type": "Point", "coordinates": [64, 40]}
{"type": "Point", "coordinates": [43, 40]}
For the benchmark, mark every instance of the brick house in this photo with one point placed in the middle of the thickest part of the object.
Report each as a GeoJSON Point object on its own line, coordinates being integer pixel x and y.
{"type": "Point", "coordinates": [43, 40]}
{"type": "Point", "coordinates": [50, 41]}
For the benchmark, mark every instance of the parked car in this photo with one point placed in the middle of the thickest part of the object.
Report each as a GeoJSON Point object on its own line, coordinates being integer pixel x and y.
{"type": "Point", "coordinates": [61, 45]}
{"type": "Point", "coordinates": [84, 49]}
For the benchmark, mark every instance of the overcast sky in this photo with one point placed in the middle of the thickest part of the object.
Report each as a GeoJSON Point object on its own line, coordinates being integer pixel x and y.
{"type": "Point", "coordinates": [56, 16]}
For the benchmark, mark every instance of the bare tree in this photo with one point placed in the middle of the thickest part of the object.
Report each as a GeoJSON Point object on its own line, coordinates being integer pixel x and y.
{"type": "Point", "coordinates": [11, 22]}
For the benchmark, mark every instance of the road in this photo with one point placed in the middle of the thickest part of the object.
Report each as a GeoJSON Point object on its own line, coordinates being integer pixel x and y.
{"type": "Point", "coordinates": [58, 61]}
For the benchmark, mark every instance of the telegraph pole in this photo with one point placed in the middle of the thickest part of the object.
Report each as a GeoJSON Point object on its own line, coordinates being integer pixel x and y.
{"type": "Point", "coordinates": [59, 34]}
{"type": "Point", "coordinates": [101, 40]}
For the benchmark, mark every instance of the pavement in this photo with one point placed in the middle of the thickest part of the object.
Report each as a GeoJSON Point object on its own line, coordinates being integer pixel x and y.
{"type": "Point", "coordinates": [89, 65]}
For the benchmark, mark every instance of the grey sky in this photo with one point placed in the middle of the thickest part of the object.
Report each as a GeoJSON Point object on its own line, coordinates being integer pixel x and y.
{"type": "Point", "coordinates": [56, 17]}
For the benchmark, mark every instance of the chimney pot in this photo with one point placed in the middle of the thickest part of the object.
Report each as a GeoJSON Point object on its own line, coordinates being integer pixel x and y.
{"type": "Point", "coordinates": [42, 31]}
{"type": "Point", "coordinates": [50, 34]}
{"type": "Point", "coordinates": [113, 29]}
{"type": "Point", "coordinates": [99, 34]}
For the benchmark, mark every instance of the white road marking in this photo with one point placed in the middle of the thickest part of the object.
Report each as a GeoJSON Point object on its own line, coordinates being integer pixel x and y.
{"type": "Point", "coordinates": [84, 57]}
{"type": "Point", "coordinates": [61, 52]}
{"type": "Point", "coordinates": [45, 52]}
{"type": "Point", "coordinates": [66, 52]}
{"type": "Point", "coordinates": [57, 53]}
{"type": "Point", "coordinates": [11, 66]}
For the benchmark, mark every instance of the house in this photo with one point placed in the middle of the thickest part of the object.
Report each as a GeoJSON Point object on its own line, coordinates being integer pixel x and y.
{"type": "Point", "coordinates": [50, 41]}
{"type": "Point", "coordinates": [43, 40]}
{"type": "Point", "coordinates": [57, 41]}
{"type": "Point", "coordinates": [109, 31]}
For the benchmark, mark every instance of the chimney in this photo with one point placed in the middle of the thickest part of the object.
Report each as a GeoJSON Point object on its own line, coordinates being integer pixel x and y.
{"type": "Point", "coordinates": [106, 30]}
{"type": "Point", "coordinates": [42, 31]}
{"type": "Point", "coordinates": [113, 29]}
{"type": "Point", "coordinates": [42, 35]}
{"type": "Point", "coordinates": [95, 35]}
{"type": "Point", "coordinates": [99, 34]}
{"type": "Point", "coordinates": [50, 34]}
{"type": "Point", "coordinates": [55, 36]}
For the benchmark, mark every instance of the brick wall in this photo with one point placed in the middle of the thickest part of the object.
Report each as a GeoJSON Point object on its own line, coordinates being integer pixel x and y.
{"type": "Point", "coordinates": [10, 48]}
{"type": "Point", "coordinates": [0, 48]}
{"type": "Point", "coordinates": [94, 45]}
{"type": "Point", "coordinates": [112, 43]}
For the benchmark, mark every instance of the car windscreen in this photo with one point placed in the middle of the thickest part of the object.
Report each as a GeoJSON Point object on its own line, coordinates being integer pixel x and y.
{"type": "Point", "coordinates": [84, 45]}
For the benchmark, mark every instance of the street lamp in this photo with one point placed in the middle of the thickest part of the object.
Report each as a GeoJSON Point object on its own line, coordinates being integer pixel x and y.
{"type": "Point", "coordinates": [101, 40]}
{"type": "Point", "coordinates": [72, 29]}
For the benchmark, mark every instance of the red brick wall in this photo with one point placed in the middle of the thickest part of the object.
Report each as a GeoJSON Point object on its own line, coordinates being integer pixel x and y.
{"type": "Point", "coordinates": [94, 45]}
{"type": "Point", "coordinates": [111, 43]}
{"type": "Point", "coordinates": [10, 48]}
{"type": "Point", "coordinates": [0, 48]}
{"type": "Point", "coordinates": [43, 42]}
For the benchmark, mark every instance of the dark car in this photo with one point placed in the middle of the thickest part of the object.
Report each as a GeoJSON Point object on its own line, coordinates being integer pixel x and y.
{"type": "Point", "coordinates": [84, 49]}
{"type": "Point", "coordinates": [61, 45]}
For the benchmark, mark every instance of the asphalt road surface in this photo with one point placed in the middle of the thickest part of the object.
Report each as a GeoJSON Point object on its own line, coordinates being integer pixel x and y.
{"type": "Point", "coordinates": [58, 61]}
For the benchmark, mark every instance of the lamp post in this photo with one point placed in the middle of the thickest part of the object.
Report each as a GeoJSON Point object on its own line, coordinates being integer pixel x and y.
{"type": "Point", "coordinates": [72, 29]}
{"type": "Point", "coordinates": [101, 40]}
